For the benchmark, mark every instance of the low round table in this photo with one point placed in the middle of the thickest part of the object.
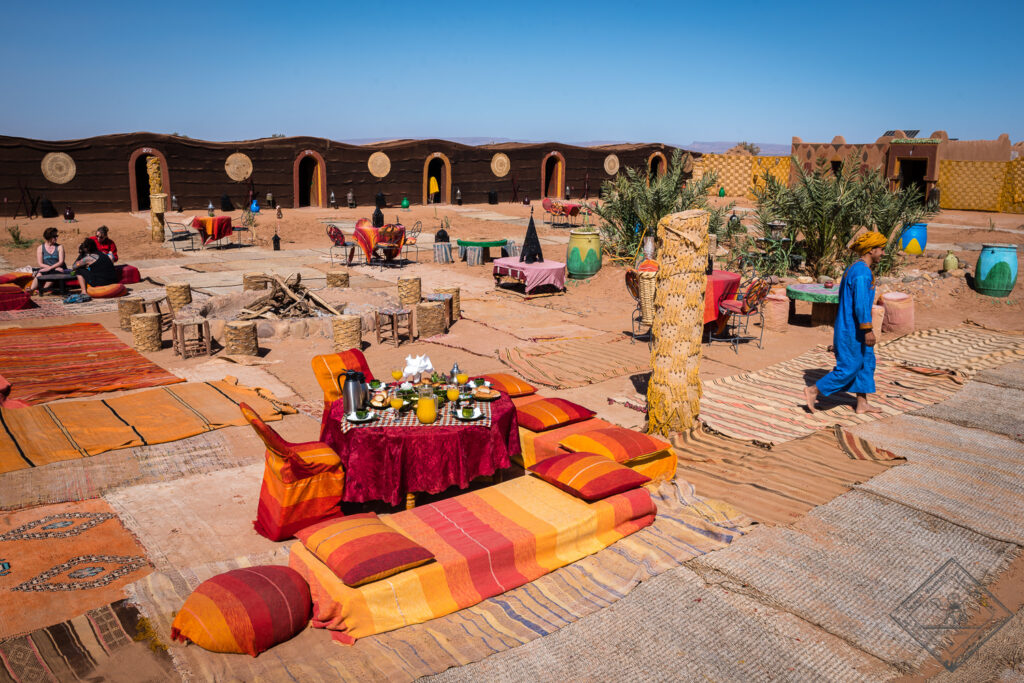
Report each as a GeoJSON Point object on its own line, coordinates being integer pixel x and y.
{"type": "Point", "coordinates": [484, 244]}
{"type": "Point", "coordinates": [824, 301]}
{"type": "Point", "coordinates": [388, 463]}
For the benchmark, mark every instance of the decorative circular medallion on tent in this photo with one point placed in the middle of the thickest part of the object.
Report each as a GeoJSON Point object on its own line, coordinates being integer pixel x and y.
{"type": "Point", "coordinates": [500, 164]}
{"type": "Point", "coordinates": [611, 164]}
{"type": "Point", "coordinates": [238, 166]}
{"type": "Point", "coordinates": [379, 164]}
{"type": "Point", "coordinates": [58, 167]}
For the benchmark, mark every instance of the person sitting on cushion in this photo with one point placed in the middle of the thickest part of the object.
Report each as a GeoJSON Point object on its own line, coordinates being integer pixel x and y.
{"type": "Point", "coordinates": [104, 243]}
{"type": "Point", "coordinates": [94, 269]}
{"type": "Point", "coordinates": [50, 257]}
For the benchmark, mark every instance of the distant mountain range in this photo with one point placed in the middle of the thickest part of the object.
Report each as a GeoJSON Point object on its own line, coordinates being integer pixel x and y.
{"type": "Point", "coordinates": [767, 148]}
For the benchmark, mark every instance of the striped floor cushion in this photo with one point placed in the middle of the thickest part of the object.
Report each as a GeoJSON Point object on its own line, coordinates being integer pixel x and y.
{"type": "Point", "coordinates": [548, 413]}
{"type": "Point", "coordinates": [587, 475]}
{"type": "Point", "coordinates": [244, 611]}
{"type": "Point", "coordinates": [510, 384]}
{"type": "Point", "coordinates": [618, 443]}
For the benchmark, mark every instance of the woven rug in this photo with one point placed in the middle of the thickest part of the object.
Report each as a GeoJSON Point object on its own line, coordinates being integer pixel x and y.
{"type": "Point", "coordinates": [674, 628]}
{"type": "Point", "coordinates": [683, 529]}
{"type": "Point", "coordinates": [59, 561]}
{"type": "Point", "coordinates": [81, 359]}
{"type": "Point", "coordinates": [103, 644]}
{"type": "Point", "coordinates": [769, 406]}
{"type": "Point", "coordinates": [985, 406]}
{"type": "Point", "coordinates": [1010, 376]}
{"type": "Point", "coordinates": [41, 435]}
{"type": "Point", "coordinates": [967, 349]}
{"type": "Point", "coordinates": [849, 564]}
{"type": "Point", "coordinates": [83, 478]}
{"type": "Point", "coordinates": [967, 476]}
{"type": "Point", "coordinates": [54, 306]}
{"type": "Point", "coordinates": [781, 484]}
{"type": "Point", "coordinates": [576, 362]}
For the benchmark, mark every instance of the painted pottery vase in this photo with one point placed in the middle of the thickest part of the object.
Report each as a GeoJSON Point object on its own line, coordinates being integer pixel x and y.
{"type": "Point", "coordinates": [583, 255]}
{"type": "Point", "coordinates": [996, 271]}
{"type": "Point", "coordinates": [914, 238]}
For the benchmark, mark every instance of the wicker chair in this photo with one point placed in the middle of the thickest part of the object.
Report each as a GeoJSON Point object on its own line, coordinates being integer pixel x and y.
{"type": "Point", "coordinates": [641, 286]}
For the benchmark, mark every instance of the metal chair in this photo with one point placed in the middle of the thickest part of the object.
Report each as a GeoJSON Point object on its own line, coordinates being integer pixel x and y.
{"type": "Point", "coordinates": [748, 303]}
{"type": "Point", "coordinates": [180, 231]}
{"type": "Point", "coordinates": [339, 241]}
{"type": "Point", "coordinates": [546, 205]}
{"type": "Point", "coordinates": [412, 240]}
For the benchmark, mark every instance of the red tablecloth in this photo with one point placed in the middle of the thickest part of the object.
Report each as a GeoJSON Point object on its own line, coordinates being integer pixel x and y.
{"type": "Point", "coordinates": [213, 228]}
{"type": "Point", "coordinates": [721, 285]}
{"type": "Point", "coordinates": [533, 275]}
{"type": "Point", "coordinates": [386, 463]}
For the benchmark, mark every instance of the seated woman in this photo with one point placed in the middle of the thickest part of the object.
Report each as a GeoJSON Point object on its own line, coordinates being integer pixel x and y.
{"type": "Point", "coordinates": [104, 243]}
{"type": "Point", "coordinates": [93, 268]}
{"type": "Point", "coordinates": [49, 257]}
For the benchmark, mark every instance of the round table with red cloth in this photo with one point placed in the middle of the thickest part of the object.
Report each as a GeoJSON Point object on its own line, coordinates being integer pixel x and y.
{"type": "Point", "coordinates": [721, 285]}
{"type": "Point", "coordinates": [386, 463]}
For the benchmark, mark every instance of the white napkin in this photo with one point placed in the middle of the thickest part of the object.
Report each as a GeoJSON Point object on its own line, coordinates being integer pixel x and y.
{"type": "Point", "coordinates": [417, 365]}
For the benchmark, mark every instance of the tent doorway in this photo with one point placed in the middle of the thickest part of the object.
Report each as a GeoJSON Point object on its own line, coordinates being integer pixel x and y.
{"type": "Point", "coordinates": [138, 178]}
{"type": "Point", "coordinates": [309, 180]}
{"type": "Point", "coordinates": [912, 172]}
{"type": "Point", "coordinates": [142, 182]}
{"type": "Point", "coordinates": [657, 165]}
{"type": "Point", "coordinates": [552, 176]}
{"type": "Point", "coordinates": [437, 179]}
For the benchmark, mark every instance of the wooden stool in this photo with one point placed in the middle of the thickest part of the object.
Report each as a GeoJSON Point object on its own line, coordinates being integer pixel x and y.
{"type": "Point", "coordinates": [442, 252]}
{"type": "Point", "coordinates": [392, 321]}
{"type": "Point", "coordinates": [187, 346]}
{"type": "Point", "coordinates": [449, 302]}
{"type": "Point", "coordinates": [475, 256]}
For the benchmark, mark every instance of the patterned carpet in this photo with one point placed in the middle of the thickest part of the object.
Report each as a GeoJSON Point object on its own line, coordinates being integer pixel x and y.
{"type": "Point", "coordinates": [576, 362]}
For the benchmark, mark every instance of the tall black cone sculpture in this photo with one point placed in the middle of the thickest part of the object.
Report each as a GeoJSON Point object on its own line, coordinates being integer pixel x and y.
{"type": "Point", "coordinates": [531, 252]}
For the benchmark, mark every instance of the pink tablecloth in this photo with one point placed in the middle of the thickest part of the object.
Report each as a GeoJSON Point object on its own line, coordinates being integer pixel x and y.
{"type": "Point", "coordinates": [386, 463]}
{"type": "Point", "coordinates": [213, 227]}
{"type": "Point", "coordinates": [533, 275]}
{"type": "Point", "coordinates": [721, 285]}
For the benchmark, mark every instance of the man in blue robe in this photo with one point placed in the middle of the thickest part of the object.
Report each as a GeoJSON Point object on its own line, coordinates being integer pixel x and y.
{"type": "Point", "coordinates": [853, 337]}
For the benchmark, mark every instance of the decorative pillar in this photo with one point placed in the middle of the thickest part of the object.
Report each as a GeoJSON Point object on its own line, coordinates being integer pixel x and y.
{"type": "Point", "coordinates": [157, 200]}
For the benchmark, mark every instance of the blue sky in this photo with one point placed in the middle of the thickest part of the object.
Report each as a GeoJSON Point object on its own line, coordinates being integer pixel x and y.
{"type": "Point", "coordinates": [656, 71]}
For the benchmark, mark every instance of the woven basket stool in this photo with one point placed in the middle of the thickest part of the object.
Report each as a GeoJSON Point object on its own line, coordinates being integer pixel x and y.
{"type": "Point", "coordinates": [348, 332]}
{"type": "Point", "coordinates": [253, 281]}
{"type": "Point", "coordinates": [126, 308]}
{"type": "Point", "coordinates": [430, 319]}
{"type": "Point", "coordinates": [337, 278]}
{"type": "Point", "coordinates": [179, 295]}
{"type": "Point", "coordinates": [146, 332]}
{"type": "Point", "coordinates": [409, 291]}
{"type": "Point", "coordinates": [448, 301]}
{"type": "Point", "coordinates": [198, 343]}
{"type": "Point", "coordinates": [392, 322]}
{"type": "Point", "coordinates": [240, 338]}
{"type": "Point", "coordinates": [443, 252]}
{"type": "Point", "coordinates": [456, 301]}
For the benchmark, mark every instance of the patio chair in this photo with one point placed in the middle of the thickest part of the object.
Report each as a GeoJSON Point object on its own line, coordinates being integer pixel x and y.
{"type": "Point", "coordinates": [179, 232]}
{"type": "Point", "coordinates": [412, 240]}
{"type": "Point", "coordinates": [546, 205]}
{"type": "Point", "coordinates": [749, 302]}
{"type": "Point", "coordinates": [339, 241]}
{"type": "Point", "coordinates": [558, 211]}
{"type": "Point", "coordinates": [639, 291]}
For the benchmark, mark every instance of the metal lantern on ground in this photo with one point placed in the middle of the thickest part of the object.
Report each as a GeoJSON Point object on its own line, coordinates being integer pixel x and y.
{"type": "Point", "coordinates": [175, 206]}
{"type": "Point", "coordinates": [333, 201]}
{"type": "Point", "coordinates": [209, 209]}
{"type": "Point", "coordinates": [458, 196]}
{"type": "Point", "coordinates": [351, 199]}
{"type": "Point", "coordinates": [270, 200]}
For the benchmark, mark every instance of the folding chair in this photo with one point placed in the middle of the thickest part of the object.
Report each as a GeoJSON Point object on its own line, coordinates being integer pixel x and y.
{"type": "Point", "coordinates": [180, 231]}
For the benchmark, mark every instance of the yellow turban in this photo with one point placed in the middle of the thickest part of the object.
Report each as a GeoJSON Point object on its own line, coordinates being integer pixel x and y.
{"type": "Point", "coordinates": [868, 241]}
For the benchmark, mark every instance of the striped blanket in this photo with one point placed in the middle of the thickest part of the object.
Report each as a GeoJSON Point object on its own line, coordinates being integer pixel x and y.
{"type": "Point", "coordinates": [965, 349]}
{"type": "Point", "coordinates": [40, 435]}
{"type": "Point", "coordinates": [577, 362]}
{"type": "Point", "coordinates": [81, 359]}
{"type": "Point", "coordinates": [768, 405]}
{"type": "Point", "coordinates": [485, 543]}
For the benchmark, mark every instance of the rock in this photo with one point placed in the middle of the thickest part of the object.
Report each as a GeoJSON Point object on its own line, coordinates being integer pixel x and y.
{"type": "Point", "coordinates": [825, 279]}
{"type": "Point", "coordinates": [282, 328]}
{"type": "Point", "coordinates": [297, 328]}
{"type": "Point", "coordinates": [805, 279]}
{"type": "Point", "coordinates": [264, 329]}
{"type": "Point", "coordinates": [928, 276]}
{"type": "Point", "coordinates": [217, 329]}
{"type": "Point", "coordinates": [959, 272]}
{"type": "Point", "coordinates": [912, 278]}
{"type": "Point", "coordinates": [774, 279]}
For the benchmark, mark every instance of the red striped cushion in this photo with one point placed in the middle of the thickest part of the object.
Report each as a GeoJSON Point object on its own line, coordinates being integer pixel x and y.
{"type": "Point", "coordinates": [361, 548]}
{"type": "Point", "coordinates": [245, 610]}
{"type": "Point", "coordinates": [587, 475]}
{"type": "Point", "coordinates": [618, 443]}
{"type": "Point", "coordinates": [510, 384]}
{"type": "Point", "coordinates": [549, 413]}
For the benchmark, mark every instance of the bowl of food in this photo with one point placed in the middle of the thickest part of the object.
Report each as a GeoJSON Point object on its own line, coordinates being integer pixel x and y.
{"type": "Point", "coordinates": [376, 384]}
{"type": "Point", "coordinates": [485, 393]}
{"type": "Point", "coordinates": [468, 413]}
{"type": "Point", "coordinates": [379, 400]}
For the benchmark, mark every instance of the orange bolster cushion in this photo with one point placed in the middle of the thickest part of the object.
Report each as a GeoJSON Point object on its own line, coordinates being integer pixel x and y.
{"type": "Point", "coordinates": [106, 291]}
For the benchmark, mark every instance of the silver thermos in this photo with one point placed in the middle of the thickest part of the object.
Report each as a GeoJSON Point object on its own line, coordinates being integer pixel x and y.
{"type": "Point", "coordinates": [353, 392]}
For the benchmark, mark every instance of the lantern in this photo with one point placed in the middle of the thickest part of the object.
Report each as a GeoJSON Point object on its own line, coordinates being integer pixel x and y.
{"type": "Point", "coordinates": [405, 203]}
{"type": "Point", "coordinates": [209, 209]}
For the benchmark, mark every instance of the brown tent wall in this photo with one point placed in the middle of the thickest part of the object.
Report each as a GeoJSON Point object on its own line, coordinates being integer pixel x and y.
{"type": "Point", "coordinates": [195, 171]}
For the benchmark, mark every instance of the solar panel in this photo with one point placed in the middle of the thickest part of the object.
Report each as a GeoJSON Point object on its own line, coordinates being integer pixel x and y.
{"type": "Point", "coordinates": [909, 133]}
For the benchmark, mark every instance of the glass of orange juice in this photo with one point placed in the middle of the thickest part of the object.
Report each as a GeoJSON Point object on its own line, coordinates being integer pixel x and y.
{"type": "Point", "coordinates": [397, 402]}
{"type": "Point", "coordinates": [396, 374]}
{"type": "Point", "coordinates": [462, 378]}
{"type": "Point", "coordinates": [452, 393]}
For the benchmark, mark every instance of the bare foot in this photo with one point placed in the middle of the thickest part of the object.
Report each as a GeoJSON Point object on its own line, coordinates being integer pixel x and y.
{"type": "Point", "coordinates": [865, 407]}
{"type": "Point", "coordinates": [811, 395]}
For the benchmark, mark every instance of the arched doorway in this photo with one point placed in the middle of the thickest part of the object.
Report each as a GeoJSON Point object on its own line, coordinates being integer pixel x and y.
{"type": "Point", "coordinates": [138, 177]}
{"type": "Point", "coordinates": [657, 164]}
{"type": "Point", "coordinates": [552, 175]}
{"type": "Point", "coordinates": [437, 176]}
{"type": "Point", "coordinates": [309, 180]}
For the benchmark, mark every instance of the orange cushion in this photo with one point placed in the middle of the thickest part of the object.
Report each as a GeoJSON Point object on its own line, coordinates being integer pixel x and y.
{"type": "Point", "coordinates": [618, 443]}
{"type": "Point", "coordinates": [106, 291]}
{"type": "Point", "coordinates": [510, 384]}
{"type": "Point", "coordinates": [549, 413]}
{"type": "Point", "coordinates": [245, 611]}
{"type": "Point", "coordinates": [587, 475]}
{"type": "Point", "coordinates": [361, 548]}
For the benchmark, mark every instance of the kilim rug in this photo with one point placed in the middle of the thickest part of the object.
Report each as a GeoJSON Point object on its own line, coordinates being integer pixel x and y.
{"type": "Point", "coordinates": [40, 435]}
{"type": "Point", "coordinates": [967, 349]}
{"type": "Point", "coordinates": [576, 362]}
{"type": "Point", "coordinates": [82, 478]}
{"type": "Point", "coordinates": [54, 306]}
{"type": "Point", "coordinates": [81, 359]}
{"type": "Point", "coordinates": [981, 405]}
{"type": "Point", "coordinates": [781, 484]}
{"type": "Point", "coordinates": [768, 405]}
{"type": "Point", "coordinates": [112, 642]}
{"type": "Point", "coordinates": [849, 564]}
{"type": "Point", "coordinates": [59, 561]}
{"type": "Point", "coordinates": [682, 530]}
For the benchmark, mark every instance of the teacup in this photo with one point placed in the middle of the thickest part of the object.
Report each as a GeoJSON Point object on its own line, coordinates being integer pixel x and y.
{"type": "Point", "coordinates": [361, 414]}
{"type": "Point", "coordinates": [468, 412]}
